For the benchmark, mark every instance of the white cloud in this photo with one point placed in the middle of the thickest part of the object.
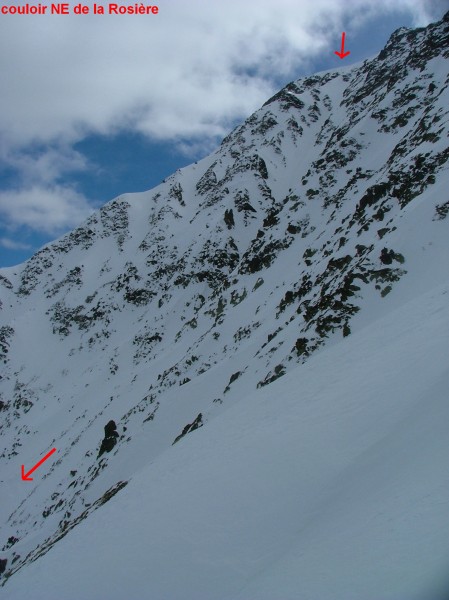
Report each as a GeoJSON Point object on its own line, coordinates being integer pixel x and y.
{"type": "Point", "coordinates": [45, 164]}
{"type": "Point", "coordinates": [47, 209]}
{"type": "Point", "coordinates": [13, 244]}
{"type": "Point", "coordinates": [39, 201]}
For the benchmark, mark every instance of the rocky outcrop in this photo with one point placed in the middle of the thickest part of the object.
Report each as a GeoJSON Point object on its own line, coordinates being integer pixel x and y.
{"type": "Point", "coordinates": [198, 422]}
{"type": "Point", "coordinates": [110, 438]}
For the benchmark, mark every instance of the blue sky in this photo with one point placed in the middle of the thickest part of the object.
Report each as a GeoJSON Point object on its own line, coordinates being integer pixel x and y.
{"type": "Point", "coordinates": [92, 107]}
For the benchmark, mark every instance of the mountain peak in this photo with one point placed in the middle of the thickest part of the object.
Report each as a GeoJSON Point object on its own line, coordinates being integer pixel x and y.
{"type": "Point", "coordinates": [422, 43]}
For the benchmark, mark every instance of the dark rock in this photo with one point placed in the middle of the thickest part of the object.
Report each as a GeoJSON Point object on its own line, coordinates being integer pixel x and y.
{"type": "Point", "coordinates": [110, 428]}
{"type": "Point", "coordinates": [3, 562]}
{"type": "Point", "coordinates": [301, 346]}
{"type": "Point", "coordinates": [279, 371]}
{"type": "Point", "coordinates": [386, 256]}
{"type": "Point", "coordinates": [110, 438]}
{"type": "Point", "coordinates": [11, 541]}
{"type": "Point", "coordinates": [198, 422]}
{"type": "Point", "coordinates": [442, 210]}
{"type": "Point", "coordinates": [139, 297]}
{"type": "Point", "coordinates": [229, 218]}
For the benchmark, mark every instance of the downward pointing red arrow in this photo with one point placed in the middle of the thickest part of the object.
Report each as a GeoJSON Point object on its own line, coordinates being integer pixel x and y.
{"type": "Point", "coordinates": [26, 476]}
{"type": "Point", "coordinates": [342, 52]}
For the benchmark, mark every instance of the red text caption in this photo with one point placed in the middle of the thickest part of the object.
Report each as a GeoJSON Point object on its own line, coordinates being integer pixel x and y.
{"type": "Point", "coordinates": [80, 9]}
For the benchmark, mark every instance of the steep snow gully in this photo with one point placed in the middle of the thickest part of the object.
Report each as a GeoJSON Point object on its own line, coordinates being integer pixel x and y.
{"type": "Point", "coordinates": [280, 310]}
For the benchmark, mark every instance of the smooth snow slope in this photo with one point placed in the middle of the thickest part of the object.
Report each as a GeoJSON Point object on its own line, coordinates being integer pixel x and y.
{"type": "Point", "coordinates": [330, 484]}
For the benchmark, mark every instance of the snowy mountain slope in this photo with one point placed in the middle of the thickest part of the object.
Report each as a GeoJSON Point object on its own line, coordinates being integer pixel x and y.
{"type": "Point", "coordinates": [319, 487]}
{"type": "Point", "coordinates": [315, 219]}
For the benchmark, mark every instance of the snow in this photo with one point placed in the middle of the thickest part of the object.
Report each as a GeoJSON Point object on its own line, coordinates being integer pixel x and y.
{"type": "Point", "coordinates": [330, 484]}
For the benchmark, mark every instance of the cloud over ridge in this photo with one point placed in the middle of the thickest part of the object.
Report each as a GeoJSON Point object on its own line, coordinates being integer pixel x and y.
{"type": "Point", "coordinates": [184, 76]}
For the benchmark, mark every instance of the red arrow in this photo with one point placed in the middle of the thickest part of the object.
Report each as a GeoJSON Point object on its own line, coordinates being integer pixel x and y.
{"type": "Point", "coordinates": [26, 476]}
{"type": "Point", "coordinates": [342, 52]}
